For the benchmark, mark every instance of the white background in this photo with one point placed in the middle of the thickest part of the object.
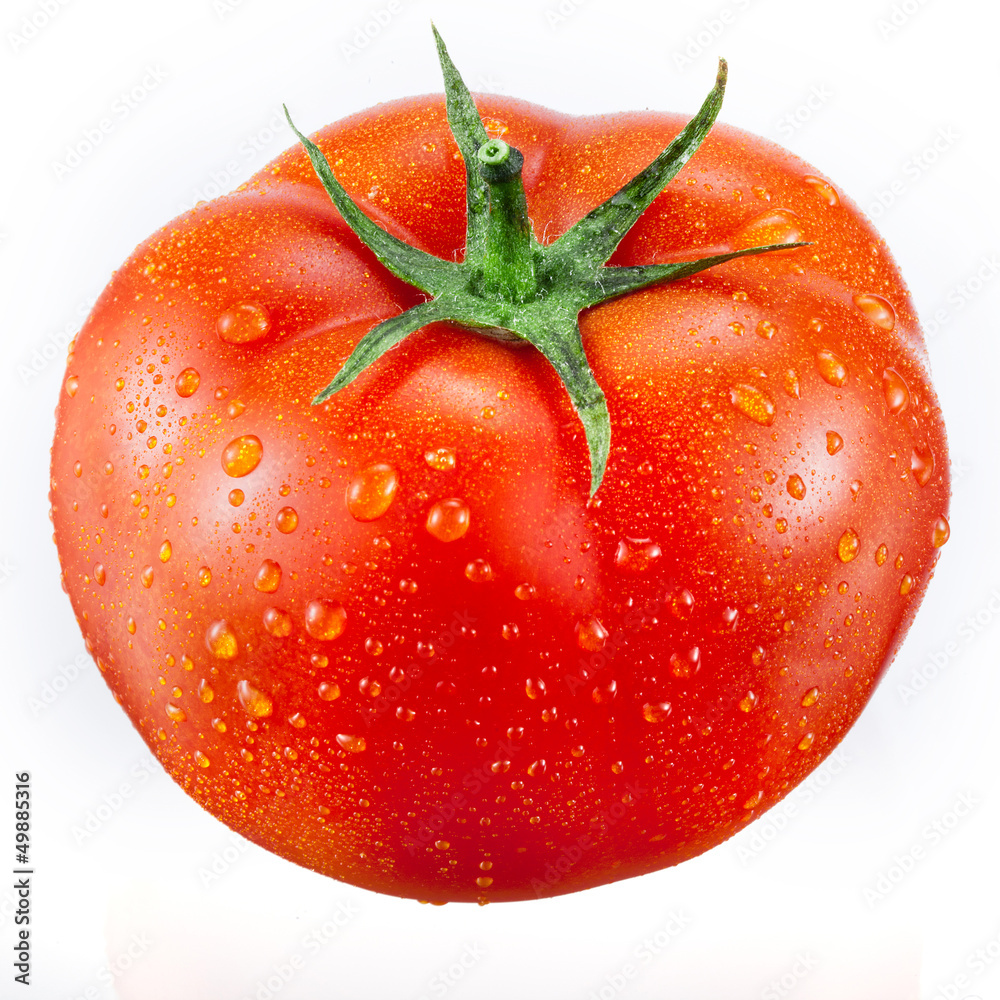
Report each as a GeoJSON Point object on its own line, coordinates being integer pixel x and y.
{"type": "Point", "coordinates": [751, 919]}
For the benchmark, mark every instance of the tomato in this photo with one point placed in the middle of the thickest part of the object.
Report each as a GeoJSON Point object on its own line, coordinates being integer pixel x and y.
{"type": "Point", "coordinates": [392, 637]}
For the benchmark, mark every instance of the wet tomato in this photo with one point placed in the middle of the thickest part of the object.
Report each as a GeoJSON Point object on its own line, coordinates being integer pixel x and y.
{"type": "Point", "coordinates": [392, 636]}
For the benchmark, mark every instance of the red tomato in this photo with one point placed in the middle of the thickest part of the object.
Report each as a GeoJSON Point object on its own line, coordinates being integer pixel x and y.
{"type": "Point", "coordinates": [391, 637]}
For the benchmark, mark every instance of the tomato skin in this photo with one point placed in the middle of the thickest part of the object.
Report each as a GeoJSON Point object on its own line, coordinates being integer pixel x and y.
{"type": "Point", "coordinates": [459, 679]}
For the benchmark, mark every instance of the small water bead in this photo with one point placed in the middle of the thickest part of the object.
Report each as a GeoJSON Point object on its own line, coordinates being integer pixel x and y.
{"type": "Point", "coordinates": [205, 691]}
{"type": "Point", "coordinates": [268, 577]}
{"type": "Point", "coordinates": [510, 631]}
{"type": "Point", "coordinates": [737, 328]}
{"type": "Point", "coordinates": [255, 702]}
{"type": "Point", "coordinates": [136, 497]}
{"type": "Point", "coordinates": [792, 383]}
{"type": "Point", "coordinates": [796, 488]}
{"type": "Point", "coordinates": [218, 725]}
{"type": "Point", "coordinates": [236, 497]}
{"type": "Point", "coordinates": [922, 463]}
{"type": "Point", "coordinates": [834, 442]}
{"type": "Point", "coordinates": [243, 324]}
{"type": "Point", "coordinates": [766, 329]}
{"type": "Point", "coordinates": [754, 800]}
{"type": "Point", "coordinates": [682, 604]}
{"type": "Point", "coordinates": [877, 309]}
{"type": "Point", "coordinates": [130, 625]}
{"type": "Point", "coordinates": [941, 532]}
{"type": "Point", "coordinates": [748, 702]}
{"type": "Point", "coordinates": [810, 697]}
{"type": "Point", "coordinates": [824, 189]}
{"type": "Point", "coordinates": [591, 634]}
{"type": "Point", "coordinates": [99, 574]}
{"type": "Point", "coordinates": [848, 545]}
{"type": "Point", "coordinates": [278, 622]}
{"type": "Point", "coordinates": [831, 367]}
{"type": "Point", "coordinates": [373, 647]}
{"type": "Point", "coordinates": [328, 691]}
{"type": "Point", "coordinates": [881, 554]}
{"type": "Point", "coordinates": [687, 665]}
{"type": "Point", "coordinates": [442, 459]}
{"type": "Point", "coordinates": [906, 584]}
{"type": "Point", "coordinates": [807, 741]}
{"type": "Point", "coordinates": [484, 881]}
{"type": "Point", "coordinates": [371, 492]}
{"type": "Point", "coordinates": [201, 759]}
{"type": "Point", "coordinates": [204, 576]}
{"type": "Point", "coordinates": [656, 711]}
{"type": "Point", "coordinates": [779, 225]}
{"type": "Point", "coordinates": [448, 520]}
{"type": "Point", "coordinates": [537, 768]}
{"type": "Point", "coordinates": [242, 455]}
{"type": "Point", "coordinates": [187, 382]}
{"type": "Point", "coordinates": [325, 620]}
{"type": "Point", "coordinates": [753, 403]}
{"type": "Point", "coordinates": [146, 576]}
{"type": "Point", "coordinates": [479, 571]}
{"type": "Point", "coordinates": [352, 744]}
{"type": "Point", "coordinates": [897, 393]}
{"type": "Point", "coordinates": [408, 586]}
{"type": "Point", "coordinates": [286, 520]}
{"type": "Point", "coordinates": [221, 641]}
{"type": "Point", "coordinates": [72, 385]}
{"type": "Point", "coordinates": [175, 712]}
{"type": "Point", "coordinates": [166, 551]}
{"type": "Point", "coordinates": [636, 555]}
{"type": "Point", "coordinates": [186, 662]}
{"type": "Point", "coordinates": [534, 688]}
{"type": "Point", "coordinates": [524, 592]}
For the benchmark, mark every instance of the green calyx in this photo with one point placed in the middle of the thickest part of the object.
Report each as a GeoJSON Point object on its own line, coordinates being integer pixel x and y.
{"type": "Point", "coordinates": [509, 285]}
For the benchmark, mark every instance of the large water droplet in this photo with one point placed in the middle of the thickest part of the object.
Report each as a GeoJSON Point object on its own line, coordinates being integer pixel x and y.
{"type": "Point", "coordinates": [922, 463]}
{"type": "Point", "coordinates": [897, 394]}
{"type": "Point", "coordinates": [753, 403]}
{"type": "Point", "coordinates": [243, 324]}
{"type": "Point", "coordinates": [242, 455]}
{"type": "Point", "coordinates": [656, 711]}
{"type": "Point", "coordinates": [941, 532]}
{"type": "Point", "coordinates": [278, 622]}
{"type": "Point", "coordinates": [831, 367]}
{"type": "Point", "coordinates": [591, 634]}
{"type": "Point", "coordinates": [268, 577]}
{"type": "Point", "coordinates": [848, 545]}
{"type": "Point", "coordinates": [325, 620]}
{"type": "Point", "coordinates": [175, 712]}
{"type": "Point", "coordinates": [877, 309]}
{"type": "Point", "coordinates": [796, 488]}
{"type": "Point", "coordinates": [824, 189]}
{"type": "Point", "coordinates": [187, 382]}
{"type": "Point", "coordinates": [221, 641]}
{"type": "Point", "coordinates": [328, 691]}
{"type": "Point", "coordinates": [479, 571]}
{"type": "Point", "coordinates": [371, 491]}
{"type": "Point", "coordinates": [286, 520]}
{"type": "Point", "coordinates": [254, 701]}
{"type": "Point", "coordinates": [779, 225]}
{"type": "Point", "coordinates": [352, 744]}
{"type": "Point", "coordinates": [636, 555]}
{"type": "Point", "coordinates": [448, 520]}
{"type": "Point", "coordinates": [834, 442]}
{"type": "Point", "coordinates": [687, 664]}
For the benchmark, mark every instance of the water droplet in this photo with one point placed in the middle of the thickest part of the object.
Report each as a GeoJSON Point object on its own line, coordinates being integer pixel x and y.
{"type": "Point", "coordinates": [243, 324]}
{"type": "Point", "coordinates": [484, 881]}
{"type": "Point", "coordinates": [448, 520]}
{"type": "Point", "coordinates": [408, 586]}
{"type": "Point", "coordinates": [941, 532]}
{"type": "Point", "coordinates": [371, 492]}
{"type": "Point", "coordinates": [748, 702]}
{"type": "Point", "coordinates": [796, 488]}
{"type": "Point", "coordinates": [278, 622]}
{"type": "Point", "coordinates": [166, 551]}
{"type": "Point", "coordinates": [479, 571]}
{"type": "Point", "coordinates": [254, 701]}
{"type": "Point", "coordinates": [99, 575]}
{"type": "Point", "coordinates": [187, 382]}
{"type": "Point", "coordinates": [325, 620]}
{"type": "Point", "coordinates": [779, 225]}
{"type": "Point", "coordinates": [534, 688]}
{"type": "Point", "coordinates": [897, 394]}
{"type": "Point", "coordinates": [242, 455]}
{"type": "Point", "coordinates": [906, 584]}
{"type": "Point", "coordinates": [834, 442]}
{"type": "Point", "coordinates": [205, 691]}
{"type": "Point", "coordinates": [877, 309]}
{"type": "Point", "coordinates": [636, 555]}
{"type": "Point", "coordinates": [510, 631]}
{"type": "Point", "coordinates": [537, 768]}
{"type": "Point", "coordinates": [591, 634]}
{"type": "Point", "coordinates": [881, 554]}
{"type": "Point", "coordinates": [328, 691]}
{"type": "Point", "coordinates": [848, 546]}
{"type": "Point", "coordinates": [72, 385]}
{"type": "Point", "coordinates": [221, 641]}
{"type": "Point", "coordinates": [807, 741]}
{"type": "Point", "coordinates": [682, 604]}
{"type": "Point", "coordinates": [831, 367]}
{"type": "Point", "coordinates": [146, 576]}
{"type": "Point", "coordinates": [604, 693]}
{"type": "Point", "coordinates": [824, 189]}
{"type": "Point", "coordinates": [766, 329]}
{"type": "Point", "coordinates": [810, 697]}
{"type": "Point", "coordinates": [268, 577]}
{"type": "Point", "coordinates": [442, 845]}
{"type": "Point", "coordinates": [286, 520]}
{"type": "Point", "coordinates": [442, 459]}
{"type": "Point", "coordinates": [204, 576]}
{"type": "Point", "coordinates": [754, 800]}
{"type": "Point", "coordinates": [792, 383]}
{"type": "Point", "coordinates": [656, 711]}
{"type": "Point", "coordinates": [753, 403]}
{"type": "Point", "coordinates": [236, 497]}
{"type": "Point", "coordinates": [687, 665]}
{"type": "Point", "coordinates": [524, 592]}
{"type": "Point", "coordinates": [175, 712]}
{"type": "Point", "coordinates": [922, 463]}
{"type": "Point", "coordinates": [352, 744]}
